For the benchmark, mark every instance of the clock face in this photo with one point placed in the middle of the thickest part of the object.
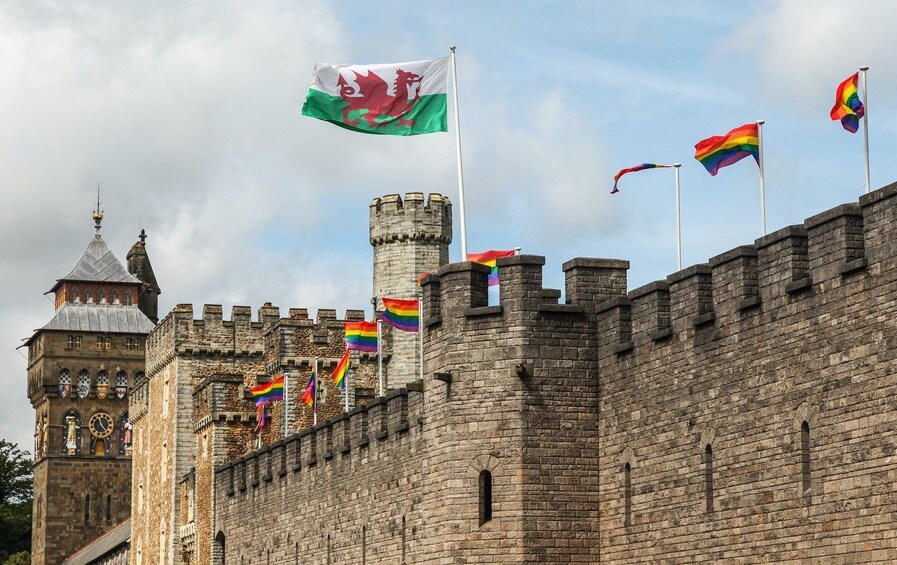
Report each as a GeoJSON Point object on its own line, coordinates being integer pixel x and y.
{"type": "Point", "coordinates": [101, 425]}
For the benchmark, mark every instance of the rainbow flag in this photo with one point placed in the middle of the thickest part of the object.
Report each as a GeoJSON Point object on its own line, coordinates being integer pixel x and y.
{"type": "Point", "coordinates": [261, 417]}
{"type": "Point", "coordinates": [848, 107]}
{"type": "Point", "coordinates": [634, 169]}
{"type": "Point", "coordinates": [724, 150]}
{"type": "Point", "coordinates": [401, 314]}
{"type": "Point", "coordinates": [361, 336]}
{"type": "Point", "coordinates": [308, 397]}
{"type": "Point", "coordinates": [488, 258]}
{"type": "Point", "coordinates": [339, 374]}
{"type": "Point", "coordinates": [265, 393]}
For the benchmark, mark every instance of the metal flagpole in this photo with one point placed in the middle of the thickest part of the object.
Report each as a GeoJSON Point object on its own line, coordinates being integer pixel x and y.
{"type": "Point", "coordinates": [379, 359]}
{"type": "Point", "coordinates": [286, 404]}
{"type": "Point", "coordinates": [866, 124]}
{"type": "Point", "coordinates": [762, 189]}
{"type": "Point", "coordinates": [420, 331]}
{"type": "Point", "coordinates": [316, 376]}
{"type": "Point", "coordinates": [676, 166]}
{"type": "Point", "coordinates": [346, 380]}
{"type": "Point", "coordinates": [460, 168]}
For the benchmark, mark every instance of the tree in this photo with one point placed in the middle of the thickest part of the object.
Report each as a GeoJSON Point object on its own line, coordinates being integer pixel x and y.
{"type": "Point", "coordinates": [20, 558]}
{"type": "Point", "coordinates": [15, 500]}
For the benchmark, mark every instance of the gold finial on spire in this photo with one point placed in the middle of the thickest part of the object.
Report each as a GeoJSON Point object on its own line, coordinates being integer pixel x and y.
{"type": "Point", "coordinates": [97, 213]}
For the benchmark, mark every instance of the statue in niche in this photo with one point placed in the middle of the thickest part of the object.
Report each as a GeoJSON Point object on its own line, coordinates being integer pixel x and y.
{"type": "Point", "coordinates": [72, 434]}
{"type": "Point", "coordinates": [45, 435]}
{"type": "Point", "coordinates": [37, 427]}
{"type": "Point", "coordinates": [125, 440]}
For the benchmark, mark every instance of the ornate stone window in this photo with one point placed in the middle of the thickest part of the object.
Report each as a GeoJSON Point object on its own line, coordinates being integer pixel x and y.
{"type": "Point", "coordinates": [139, 377]}
{"type": "Point", "coordinates": [83, 383]}
{"type": "Point", "coordinates": [71, 433]}
{"type": "Point", "coordinates": [121, 385]}
{"type": "Point", "coordinates": [65, 383]}
{"type": "Point", "coordinates": [73, 342]}
{"type": "Point", "coordinates": [102, 384]}
{"type": "Point", "coordinates": [104, 342]}
{"type": "Point", "coordinates": [132, 343]}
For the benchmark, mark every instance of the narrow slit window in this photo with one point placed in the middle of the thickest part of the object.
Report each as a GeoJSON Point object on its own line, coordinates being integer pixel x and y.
{"type": "Point", "coordinates": [708, 478]}
{"type": "Point", "coordinates": [364, 545]}
{"type": "Point", "coordinates": [627, 495]}
{"type": "Point", "coordinates": [805, 457]}
{"type": "Point", "coordinates": [108, 507]}
{"type": "Point", "coordinates": [403, 540]}
{"type": "Point", "coordinates": [86, 509]}
{"type": "Point", "coordinates": [485, 497]}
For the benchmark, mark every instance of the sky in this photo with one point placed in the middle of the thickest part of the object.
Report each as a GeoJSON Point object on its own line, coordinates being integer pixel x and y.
{"type": "Point", "coordinates": [188, 116]}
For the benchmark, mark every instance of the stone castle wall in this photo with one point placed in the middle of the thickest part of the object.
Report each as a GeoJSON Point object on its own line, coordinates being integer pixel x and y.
{"type": "Point", "coordinates": [740, 410]}
{"type": "Point", "coordinates": [737, 355]}
{"type": "Point", "coordinates": [410, 237]}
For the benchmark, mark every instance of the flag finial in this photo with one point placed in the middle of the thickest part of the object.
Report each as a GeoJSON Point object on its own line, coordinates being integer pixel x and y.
{"type": "Point", "coordinates": [97, 213]}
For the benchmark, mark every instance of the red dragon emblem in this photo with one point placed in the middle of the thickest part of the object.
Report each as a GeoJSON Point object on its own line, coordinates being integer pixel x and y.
{"type": "Point", "coordinates": [372, 100]}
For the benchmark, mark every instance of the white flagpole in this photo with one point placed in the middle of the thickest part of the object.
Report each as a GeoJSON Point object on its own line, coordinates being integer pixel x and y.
{"type": "Point", "coordinates": [286, 404]}
{"type": "Point", "coordinates": [420, 331]}
{"type": "Point", "coordinates": [676, 166]}
{"type": "Point", "coordinates": [316, 376]}
{"type": "Point", "coordinates": [762, 189]}
{"type": "Point", "coordinates": [346, 380]}
{"type": "Point", "coordinates": [380, 358]}
{"type": "Point", "coordinates": [866, 124]}
{"type": "Point", "coordinates": [460, 168]}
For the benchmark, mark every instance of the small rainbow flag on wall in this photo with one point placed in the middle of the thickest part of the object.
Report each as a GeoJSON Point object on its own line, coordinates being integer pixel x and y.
{"type": "Point", "coordinates": [634, 169]}
{"type": "Point", "coordinates": [488, 258]}
{"type": "Point", "coordinates": [361, 336]}
{"type": "Point", "coordinates": [401, 314]}
{"type": "Point", "coordinates": [339, 374]}
{"type": "Point", "coordinates": [308, 397]}
{"type": "Point", "coordinates": [724, 150]}
{"type": "Point", "coordinates": [264, 393]}
{"type": "Point", "coordinates": [848, 107]}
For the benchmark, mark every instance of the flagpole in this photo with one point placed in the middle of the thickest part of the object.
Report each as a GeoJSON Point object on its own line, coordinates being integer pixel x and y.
{"type": "Point", "coordinates": [314, 373]}
{"type": "Point", "coordinates": [379, 358]}
{"type": "Point", "coordinates": [676, 166]}
{"type": "Point", "coordinates": [460, 168]}
{"type": "Point", "coordinates": [420, 331]}
{"type": "Point", "coordinates": [286, 404]}
{"type": "Point", "coordinates": [762, 189]}
{"type": "Point", "coordinates": [346, 380]}
{"type": "Point", "coordinates": [866, 124]}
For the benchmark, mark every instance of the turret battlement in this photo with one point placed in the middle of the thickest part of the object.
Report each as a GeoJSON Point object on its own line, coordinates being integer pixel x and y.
{"type": "Point", "coordinates": [414, 218]}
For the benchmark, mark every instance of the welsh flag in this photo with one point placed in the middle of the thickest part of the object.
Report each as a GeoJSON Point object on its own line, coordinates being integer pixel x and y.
{"type": "Point", "coordinates": [387, 99]}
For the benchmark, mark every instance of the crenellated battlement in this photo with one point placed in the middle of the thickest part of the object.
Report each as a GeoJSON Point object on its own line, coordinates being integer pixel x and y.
{"type": "Point", "coordinates": [361, 433]}
{"type": "Point", "coordinates": [414, 218]}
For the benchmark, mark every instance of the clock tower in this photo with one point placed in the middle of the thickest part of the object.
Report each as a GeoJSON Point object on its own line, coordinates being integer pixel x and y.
{"type": "Point", "coordinates": [81, 367]}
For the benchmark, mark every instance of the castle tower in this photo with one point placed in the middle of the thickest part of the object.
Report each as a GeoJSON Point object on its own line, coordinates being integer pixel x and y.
{"type": "Point", "coordinates": [139, 266]}
{"type": "Point", "coordinates": [409, 237]}
{"type": "Point", "coordinates": [82, 366]}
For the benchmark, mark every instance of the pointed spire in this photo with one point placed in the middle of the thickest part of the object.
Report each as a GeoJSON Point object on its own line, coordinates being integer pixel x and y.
{"type": "Point", "coordinates": [98, 214]}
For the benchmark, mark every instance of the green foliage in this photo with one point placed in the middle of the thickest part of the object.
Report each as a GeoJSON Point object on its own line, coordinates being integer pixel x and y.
{"type": "Point", "coordinates": [20, 558]}
{"type": "Point", "coordinates": [15, 503]}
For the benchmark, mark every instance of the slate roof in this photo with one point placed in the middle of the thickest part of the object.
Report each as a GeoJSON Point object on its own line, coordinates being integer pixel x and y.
{"type": "Point", "coordinates": [98, 264]}
{"type": "Point", "coordinates": [100, 318]}
{"type": "Point", "coordinates": [117, 538]}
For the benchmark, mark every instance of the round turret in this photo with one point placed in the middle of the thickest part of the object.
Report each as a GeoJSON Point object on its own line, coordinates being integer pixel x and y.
{"type": "Point", "coordinates": [410, 237]}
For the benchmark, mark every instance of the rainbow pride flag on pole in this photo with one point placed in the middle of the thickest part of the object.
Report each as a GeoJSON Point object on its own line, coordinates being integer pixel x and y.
{"type": "Point", "coordinates": [848, 107]}
{"type": "Point", "coordinates": [339, 373]}
{"type": "Point", "coordinates": [489, 258]}
{"type": "Point", "coordinates": [308, 397]}
{"type": "Point", "coordinates": [267, 392]}
{"type": "Point", "coordinates": [634, 169]}
{"type": "Point", "coordinates": [401, 314]}
{"type": "Point", "coordinates": [724, 150]}
{"type": "Point", "coordinates": [261, 417]}
{"type": "Point", "coordinates": [361, 336]}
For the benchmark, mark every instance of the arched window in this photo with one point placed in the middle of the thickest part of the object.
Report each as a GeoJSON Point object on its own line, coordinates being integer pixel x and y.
{"type": "Point", "coordinates": [115, 297]}
{"type": "Point", "coordinates": [88, 295]}
{"type": "Point", "coordinates": [101, 296]}
{"type": "Point", "coordinates": [71, 433]}
{"type": "Point", "coordinates": [708, 478]}
{"type": "Point", "coordinates": [139, 377]}
{"type": "Point", "coordinates": [83, 383]}
{"type": "Point", "coordinates": [102, 384]}
{"type": "Point", "coordinates": [485, 496]}
{"type": "Point", "coordinates": [627, 495]}
{"type": "Point", "coordinates": [218, 550]}
{"type": "Point", "coordinates": [129, 297]}
{"type": "Point", "coordinates": [76, 294]}
{"type": "Point", "coordinates": [121, 385]}
{"type": "Point", "coordinates": [805, 457]}
{"type": "Point", "coordinates": [65, 383]}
